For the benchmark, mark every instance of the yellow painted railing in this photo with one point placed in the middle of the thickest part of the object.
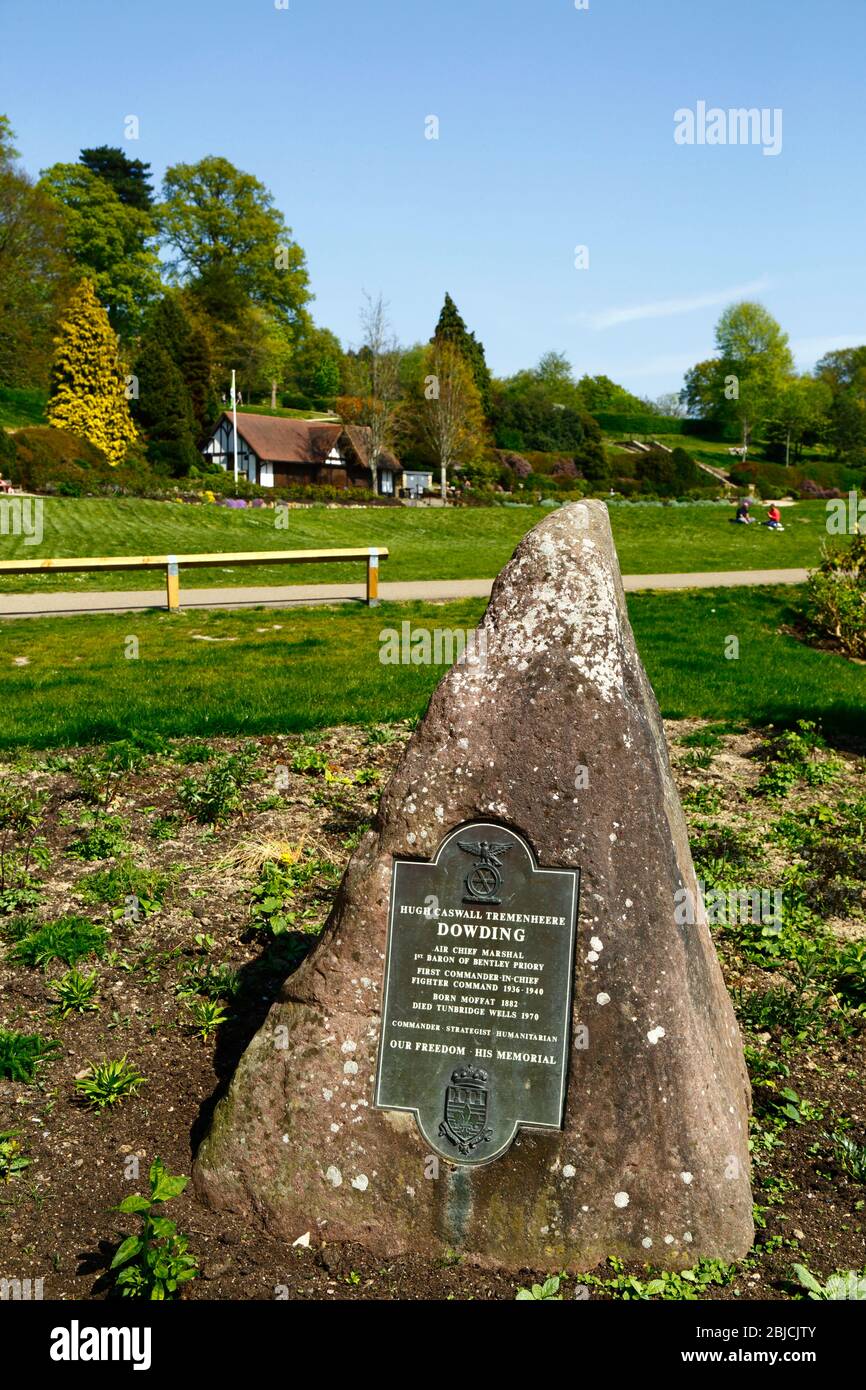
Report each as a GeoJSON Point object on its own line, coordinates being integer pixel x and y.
{"type": "Point", "coordinates": [370, 554]}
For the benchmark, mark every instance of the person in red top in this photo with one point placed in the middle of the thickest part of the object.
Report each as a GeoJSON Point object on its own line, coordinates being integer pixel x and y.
{"type": "Point", "coordinates": [774, 518]}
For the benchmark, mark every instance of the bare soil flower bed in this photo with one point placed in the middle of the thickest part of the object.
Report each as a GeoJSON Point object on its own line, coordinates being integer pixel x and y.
{"type": "Point", "coordinates": [199, 913]}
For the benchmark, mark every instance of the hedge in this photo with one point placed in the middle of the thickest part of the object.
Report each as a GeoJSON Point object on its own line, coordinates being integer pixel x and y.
{"type": "Point", "coordinates": [631, 425]}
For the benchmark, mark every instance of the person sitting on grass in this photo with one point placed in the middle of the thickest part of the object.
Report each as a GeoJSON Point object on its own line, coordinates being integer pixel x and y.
{"type": "Point", "coordinates": [743, 512]}
{"type": "Point", "coordinates": [774, 518]}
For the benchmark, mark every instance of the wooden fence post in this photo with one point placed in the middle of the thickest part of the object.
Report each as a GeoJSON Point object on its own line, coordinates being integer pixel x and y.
{"type": "Point", "coordinates": [172, 585]}
{"type": "Point", "coordinates": [373, 578]}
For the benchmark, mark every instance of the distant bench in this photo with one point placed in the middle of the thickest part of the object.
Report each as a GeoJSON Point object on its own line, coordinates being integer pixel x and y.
{"type": "Point", "coordinates": [371, 555]}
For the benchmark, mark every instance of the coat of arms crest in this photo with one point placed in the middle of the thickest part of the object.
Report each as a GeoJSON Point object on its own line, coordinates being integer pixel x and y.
{"type": "Point", "coordinates": [465, 1123]}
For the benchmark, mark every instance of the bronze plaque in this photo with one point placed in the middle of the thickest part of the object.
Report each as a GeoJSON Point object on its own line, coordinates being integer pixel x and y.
{"type": "Point", "coordinates": [476, 1007]}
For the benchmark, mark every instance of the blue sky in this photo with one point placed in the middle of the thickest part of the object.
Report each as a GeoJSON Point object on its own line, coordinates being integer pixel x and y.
{"type": "Point", "coordinates": [556, 130]}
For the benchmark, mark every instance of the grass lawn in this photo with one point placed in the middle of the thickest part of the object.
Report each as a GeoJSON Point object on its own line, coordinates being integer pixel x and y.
{"type": "Point", "coordinates": [269, 671]}
{"type": "Point", "coordinates": [425, 543]}
{"type": "Point", "coordinates": [20, 406]}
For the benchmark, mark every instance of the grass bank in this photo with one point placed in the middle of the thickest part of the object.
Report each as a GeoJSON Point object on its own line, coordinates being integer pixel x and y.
{"type": "Point", "coordinates": [425, 543]}
{"type": "Point", "coordinates": [76, 680]}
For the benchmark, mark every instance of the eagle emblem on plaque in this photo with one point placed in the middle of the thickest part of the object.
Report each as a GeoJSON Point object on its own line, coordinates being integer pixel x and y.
{"type": "Point", "coordinates": [484, 879]}
{"type": "Point", "coordinates": [465, 1124]}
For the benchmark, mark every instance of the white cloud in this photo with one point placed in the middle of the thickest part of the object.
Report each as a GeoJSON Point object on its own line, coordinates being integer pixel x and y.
{"type": "Point", "coordinates": [808, 350]}
{"type": "Point", "coordinates": [670, 308]}
{"type": "Point", "coordinates": [663, 365]}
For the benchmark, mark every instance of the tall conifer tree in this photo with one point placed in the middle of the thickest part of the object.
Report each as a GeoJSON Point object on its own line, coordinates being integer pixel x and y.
{"type": "Point", "coordinates": [88, 392]}
{"type": "Point", "coordinates": [452, 329]}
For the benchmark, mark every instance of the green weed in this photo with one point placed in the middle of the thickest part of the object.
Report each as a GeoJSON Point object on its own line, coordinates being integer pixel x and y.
{"type": "Point", "coordinates": [213, 798]}
{"type": "Point", "coordinates": [109, 1082]}
{"type": "Point", "coordinates": [67, 939]}
{"type": "Point", "coordinates": [13, 1160]}
{"type": "Point", "coordinates": [154, 1263]}
{"type": "Point", "coordinates": [76, 993]}
{"type": "Point", "coordinates": [22, 1054]}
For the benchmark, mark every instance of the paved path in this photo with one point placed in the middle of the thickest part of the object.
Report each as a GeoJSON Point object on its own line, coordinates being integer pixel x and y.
{"type": "Point", "coordinates": [283, 596]}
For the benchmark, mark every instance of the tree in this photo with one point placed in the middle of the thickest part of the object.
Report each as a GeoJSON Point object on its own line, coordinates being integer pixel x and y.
{"type": "Point", "coordinates": [164, 412]}
{"type": "Point", "coordinates": [555, 374]}
{"type": "Point", "coordinates": [128, 178]}
{"type": "Point", "coordinates": [600, 396]}
{"type": "Point", "coordinates": [186, 343]}
{"type": "Point", "coordinates": [197, 371]}
{"type": "Point", "coordinates": [744, 381]}
{"type": "Point", "coordinates": [529, 413]}
{"type": "Point", "coordinates": [113, 244]}
{"type": "Point", "coordinates": [756, 361]}
{"type": "Point", "coordinates": [449, 412]}
{"type": "Point", "coordinates": [670, 404]}
{"type": "Point", "coordinates": [801, 404]}
{"type": "Point", "coordinates": [317, 363]}
{"type": "Point", "coordinates": [232, 246]}
{"type": "Point", "coordinates": [747, 333]}
{"type": "Point", "coordinates": [34, 273]}
{"type": "Point", "coordinates": [376, 373]}
{"type": "Point", "coordinates": [668, 474]}
{"type": "Point", "coordinates": [452, 329]}
{"type": "Point", "coordinates": [703, 394]}
{"type": "Point", "coordinates": [8, 152]}
{"type": "Point", "coordinates": [88, 395]}
{"type": "Point", "coordinates": [844, 373]}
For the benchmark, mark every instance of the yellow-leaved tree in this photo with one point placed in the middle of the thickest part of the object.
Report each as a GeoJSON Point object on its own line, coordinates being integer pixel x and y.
{"type": "Point", "coordinates": [88, 393]}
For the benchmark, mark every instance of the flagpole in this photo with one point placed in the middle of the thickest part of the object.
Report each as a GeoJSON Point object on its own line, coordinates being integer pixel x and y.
{"type": "Point", "coordinates": [235, 421]}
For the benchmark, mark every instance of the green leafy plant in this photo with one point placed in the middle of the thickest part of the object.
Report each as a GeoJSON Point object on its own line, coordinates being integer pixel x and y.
{"type": "Point", "coordinates": [795, 755]}
{"type": "Point", "coordinates": [213, 981]}
{"type": "Point", "coordinates": [193, 753]}
{"type": "Point", "coordinates": [849, 1155]}
{"type": "Point", "coordinates": [206, 1015]}
{"type": "Point", "coordinates": [310, 760]}
{"type": "Point", "coordinates": [154, 1263]}
{"type": "Point", "coordinates": [836, 598]}
{"type": "Point", "coordinates": [702, 738]}
{"type": "Point", "coordinates": [102, 837]}
{"type": "Point", "coordinates": [76, 993]}
{"type": "Point", "coordinates": [21, 1054]}
{"type": "Point", "coordinates": [846, 1285]}
{"type": "Point", "coordinates": [274, 895]}
{"type": "Point", "coordinates": [382, 735]}
{"type": "Point", "coordinates": [67, 939]}
{"type": "Point", "coordinates": [101, 779]}
{"type": "Point", "coordinates": [109, 1082]}
{"type": "Point", "coordinates": [165, 827]}
{"type": "Point", "coordinates": [539, 1293]}
{"type": "Point", "coordinates": [212, 798]}
{"type": "Point", "coordinates": [12, 1157]}
{"type": "Point", "coordinates": [22, 847]}
{"type": "Point", "coordinates": [126, 880]}
{"type": "Point", "coordinates": [846, 973]}
{"type": "Point", "coordinates": [706, 800]}
{"type": "Point", "coordinates": [790, 1106]}
{"type": "Point", "coordinates": [669, 1285]}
